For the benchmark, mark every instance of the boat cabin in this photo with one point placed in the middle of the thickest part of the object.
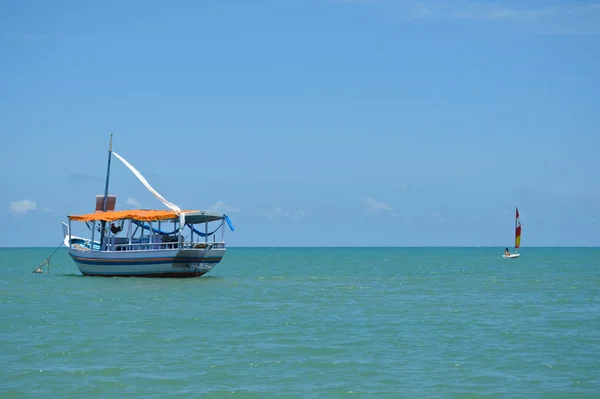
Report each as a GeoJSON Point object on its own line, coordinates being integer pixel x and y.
{"type": "Point", "coordinates": [148, 230]}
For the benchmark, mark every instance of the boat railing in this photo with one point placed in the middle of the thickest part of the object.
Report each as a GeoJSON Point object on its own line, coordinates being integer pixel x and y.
{"type": "Point", "coordinates": [154, 246]}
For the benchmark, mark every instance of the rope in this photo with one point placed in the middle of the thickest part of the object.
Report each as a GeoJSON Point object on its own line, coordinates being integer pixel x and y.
{"type": "Point", "coordinates": [204, 234]}
{"type": "Point", "coordinates": [208, 247]}
{"type": "Point", "coordinates": [47, 260]}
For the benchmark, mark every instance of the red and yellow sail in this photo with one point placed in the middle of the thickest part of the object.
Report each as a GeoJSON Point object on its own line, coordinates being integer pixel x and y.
{"type": "Point", "coordinates": [517, 230]}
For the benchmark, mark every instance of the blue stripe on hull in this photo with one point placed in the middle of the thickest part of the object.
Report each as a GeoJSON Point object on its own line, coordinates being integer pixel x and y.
{"type": "Point", "coordinates": [142, 274]}
{"type": "Point", "coordinates": [114, 262]}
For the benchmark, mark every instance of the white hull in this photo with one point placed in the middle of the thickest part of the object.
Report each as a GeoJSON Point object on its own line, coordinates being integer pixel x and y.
{"type": "Point", "coordinates": [158, 263]}
{"type": "Point", "coordinates": [511, 256]}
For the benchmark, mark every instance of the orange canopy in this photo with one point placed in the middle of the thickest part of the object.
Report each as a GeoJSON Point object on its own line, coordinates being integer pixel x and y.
{"type": "Point", "coordinates": [135, 214]}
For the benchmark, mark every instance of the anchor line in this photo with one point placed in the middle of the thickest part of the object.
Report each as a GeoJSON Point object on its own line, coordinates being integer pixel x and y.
{"type": "Point", "coordinates": [208, 247]}
{"type": "Point", "coordinates": [47, 260]}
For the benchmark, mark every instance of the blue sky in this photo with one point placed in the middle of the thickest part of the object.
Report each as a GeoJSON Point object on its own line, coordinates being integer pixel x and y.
{"type": "Point", "coordinates": [312, 122]}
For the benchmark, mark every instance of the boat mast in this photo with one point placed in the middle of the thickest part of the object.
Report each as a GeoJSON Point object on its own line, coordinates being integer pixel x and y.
{"type": "Point", "coordinates": [104, 204]}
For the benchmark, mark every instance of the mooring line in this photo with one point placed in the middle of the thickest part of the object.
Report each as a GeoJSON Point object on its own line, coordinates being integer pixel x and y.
{"type": "Point", "coordinates": [47, 260]}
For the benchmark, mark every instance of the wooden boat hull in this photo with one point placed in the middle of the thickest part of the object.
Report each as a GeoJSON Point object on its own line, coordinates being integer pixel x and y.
{"type": "Point", "coordinates": [159, 263]}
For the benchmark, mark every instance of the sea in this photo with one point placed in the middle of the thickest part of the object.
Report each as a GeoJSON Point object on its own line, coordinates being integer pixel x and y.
{"type": "Point", "coordinates": [308, 323]}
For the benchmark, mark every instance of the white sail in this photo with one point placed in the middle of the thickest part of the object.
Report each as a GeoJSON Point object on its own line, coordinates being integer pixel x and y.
{"type": "Point", "coordinates": [141, 178]}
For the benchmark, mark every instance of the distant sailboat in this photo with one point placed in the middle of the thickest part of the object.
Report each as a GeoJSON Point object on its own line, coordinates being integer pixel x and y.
{"type": "Point", "coordinates": [517, 237]}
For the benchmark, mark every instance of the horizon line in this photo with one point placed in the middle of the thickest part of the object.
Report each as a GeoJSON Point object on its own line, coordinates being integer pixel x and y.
{"type": "Point", "coordinates": [367, 246]}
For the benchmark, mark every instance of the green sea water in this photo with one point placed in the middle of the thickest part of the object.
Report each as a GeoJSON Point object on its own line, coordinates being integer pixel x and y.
{"type": "Point", "coordinates": [308, 323]}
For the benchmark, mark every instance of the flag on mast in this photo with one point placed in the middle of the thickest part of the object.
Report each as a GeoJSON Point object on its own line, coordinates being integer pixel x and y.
{"type": "Point", "coordinates": [517, 230]}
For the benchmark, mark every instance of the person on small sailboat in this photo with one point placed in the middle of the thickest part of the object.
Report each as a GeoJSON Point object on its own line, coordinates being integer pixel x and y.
{"type": "Point", "coordinates": [506, 253]}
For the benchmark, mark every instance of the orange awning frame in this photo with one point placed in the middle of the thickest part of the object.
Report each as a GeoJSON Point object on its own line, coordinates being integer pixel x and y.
{"type": "Point", "coordinates": [135, 214]}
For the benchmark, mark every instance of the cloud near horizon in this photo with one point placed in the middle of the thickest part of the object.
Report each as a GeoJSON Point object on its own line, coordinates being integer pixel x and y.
{"type": "Point", "coordinates": [84, 178]}
{"type": "Point", "coordinates": [221, 206]}
{"type": "Point", "coordinates": [26, 205]}
{"type": "Point", "coordinates": [438, 216]}
{"type": "Point", "coordinates": [280, 212]}
{"type": "Point", "coordinates": [375, 205]}
{"type": "Point", "coordinates": [22, 206]}
{"type": "Point", "coordinates": [133, 202]}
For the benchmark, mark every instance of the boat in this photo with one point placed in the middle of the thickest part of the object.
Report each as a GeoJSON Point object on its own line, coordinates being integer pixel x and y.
{"type": "Point", "coordinates": [517, 237]}
{"type": "Point", "coordinates": [146, 242]}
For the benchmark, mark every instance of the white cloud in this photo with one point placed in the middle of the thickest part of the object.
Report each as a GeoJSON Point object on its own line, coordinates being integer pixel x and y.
{"type": "Point", "coordinates": [134, 202]}
{"type": "Point", "coordinates": [504, 213]}
{"type": "Point", "coordinates": [220, 206]}
{"type": "Point", "coordinates": [438, 216]}
{"type": "Point", "coordinates": [559, 17]}
{"type": "Point", "coordinates": [375, 205]}
{"type": "Point", "coordinates": [280, 212]}
{"type": "Point", "coordinates": [465, 9]}
{"type": "Point", "coordinates": [575, 190]}
{"type": "Point", "coordinates": [477, 11]}
{"type": "Point", "coordinates": [22, 206]}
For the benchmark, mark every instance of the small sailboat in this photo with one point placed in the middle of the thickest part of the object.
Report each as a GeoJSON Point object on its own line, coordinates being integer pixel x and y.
{"type": "Point", "coordinates": [517, 237]}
